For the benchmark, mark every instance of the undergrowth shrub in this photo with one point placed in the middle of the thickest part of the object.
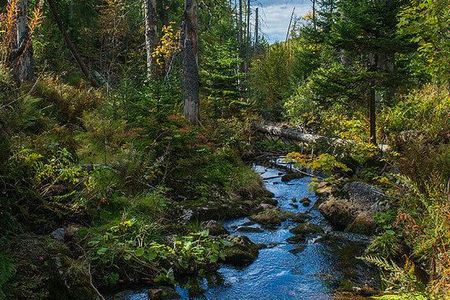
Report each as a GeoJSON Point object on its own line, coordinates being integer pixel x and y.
{"type": "Point", "coordinates": [64, 102]}
{"type": "Point", "coordinates": [422, 224]}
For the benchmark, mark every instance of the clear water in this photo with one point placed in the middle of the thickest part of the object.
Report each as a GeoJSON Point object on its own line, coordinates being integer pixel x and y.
{"type": "Point", "coordinates": [311, 270]}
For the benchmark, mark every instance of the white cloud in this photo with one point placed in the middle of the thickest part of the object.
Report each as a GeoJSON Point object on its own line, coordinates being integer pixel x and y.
{"type": "Point", "coordinates": [275, 16]}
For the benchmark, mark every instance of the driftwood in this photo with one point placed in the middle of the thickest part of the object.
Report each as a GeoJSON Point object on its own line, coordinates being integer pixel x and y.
{"type": "Point", "coordinates": [296, 135]}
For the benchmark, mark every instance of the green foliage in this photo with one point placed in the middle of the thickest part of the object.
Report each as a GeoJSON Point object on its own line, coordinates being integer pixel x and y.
{"type": "Point", "coordinates": [403, 280]}
{"type": "Point", "coordinates": [7, 271]}
{"type": "Point", "coordinates": [426, 110]}
{"type": "Point", "coordinates": [135, 244]}
{"type": "Point", "coordinates": [326, 163]}
{"type": "Point", "coordinates": [425, 23]}
{"type": "Point", "coordinates": [270, 81]}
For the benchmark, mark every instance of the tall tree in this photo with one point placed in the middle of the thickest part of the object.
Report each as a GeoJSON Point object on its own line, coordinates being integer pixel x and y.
{"type": "Point", "coordinates": [190, 62]}
{"type": "Point", "coordinates": [367, 31]}
{"type": "Point", "coordinates": [151, 30]}
{"type": "Point", "coordinates": [69, 43]}
{"type": "Point", "coordinates": [20, 56]}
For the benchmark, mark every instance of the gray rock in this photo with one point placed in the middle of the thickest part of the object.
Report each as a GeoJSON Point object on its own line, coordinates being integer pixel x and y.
{"type": "Point", "coordinates": [59, 234]}
{"type": "Point", "coordinates": [365, 196]}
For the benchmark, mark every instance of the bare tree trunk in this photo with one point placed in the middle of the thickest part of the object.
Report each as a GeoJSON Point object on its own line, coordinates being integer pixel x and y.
{"type": "Point", "coordinates": [372, 99]}
{"type": "Point", "coordinates": [257, 27]}
{"type": "Point", "coordinates": [150, 33]}
{"type": "Point", "coordinates": [247, 38]}
{"type": "Point", "coordinates": [20, 56]}
{"type": "Point", "coordinates": [314, 14]}
{"type": "Point", "coordinates": [190, 62]}
{"type": "Point", "coordinates": [72, 48]}
{"type": "Point", "coordinates": [373, 114]}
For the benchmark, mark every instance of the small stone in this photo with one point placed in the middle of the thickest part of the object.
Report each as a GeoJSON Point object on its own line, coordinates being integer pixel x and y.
{"type": "Point", "coordinates": [58, 234]}
{"type": "Point", "coordinates": [249, 229]}
{"type": "Point", "coordinates": [294, 205]}
{"type": "Point", "coordinates": [305, 201]}
{"type": "Point", "coordinates": [307, 228]}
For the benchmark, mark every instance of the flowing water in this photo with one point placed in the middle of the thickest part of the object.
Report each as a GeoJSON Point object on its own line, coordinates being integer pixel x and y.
{"type": "Point", "coordinates": [314, 269]}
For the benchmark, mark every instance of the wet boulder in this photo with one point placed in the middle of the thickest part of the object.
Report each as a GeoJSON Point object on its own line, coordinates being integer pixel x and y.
{"type": "Point", "coordinates": [307, 228]}
{"type": "Point", "coordinates": [297, 239]}
{"type": "Point", "coordinates": [356, 212]}
{"type": "Point", "coordinates": [365, 196]}
{"type": "Point", "coordinates": [299, 217]}
{"type": "Point", "coordinates": [214, 227]}
{"type": "Point", "coordinates": [269, 217]}
{"type": "Point", "coordinates": [163, 293]}
{"type": "Point", "coordinates": [340, 213]}
{"type": "Point", "coordinates": [241, 251]}
{"type": "Point", "coordinates": [249, 229]}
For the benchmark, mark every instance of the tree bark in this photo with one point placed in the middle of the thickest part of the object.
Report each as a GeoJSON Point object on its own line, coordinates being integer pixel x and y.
{"type": "Point", "coordinates": [72, 48]}
{"type": "Point", "coordinates": [151, 30]}
{"type": "Point", "coordinates": [190, 62]}
{"type": "Point", "coordinates": [314, 14]}
{"type": "Point", "coordinates": [20, 56]}
{"type": "Point", "coordinates": [373, 114]}
{"type": "Point", "coordinates": [296, 135]}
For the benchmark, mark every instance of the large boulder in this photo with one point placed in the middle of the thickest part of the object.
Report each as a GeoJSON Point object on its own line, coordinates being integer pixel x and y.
{"type": "Point", "coordinates": [269, 217]}
{"type": "Point", "coordinates": [356, 212]}
{"type": "Point", "coordinates": [365, 196]}
{"type": "Point", "coordinates": [241, 251]}
{"type": "Point", "coordinates": [338, 212]}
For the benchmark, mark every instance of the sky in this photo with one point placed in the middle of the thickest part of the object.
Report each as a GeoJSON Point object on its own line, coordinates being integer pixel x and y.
{"type": "Point", "coordinates": [275, 16]}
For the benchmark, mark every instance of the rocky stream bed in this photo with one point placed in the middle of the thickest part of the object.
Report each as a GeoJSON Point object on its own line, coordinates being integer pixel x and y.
{"type": "Point", "coordinates": [299, 258]}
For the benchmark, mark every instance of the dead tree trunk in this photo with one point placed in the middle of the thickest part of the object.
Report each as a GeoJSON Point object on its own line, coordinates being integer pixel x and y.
{"type": "Point", "coordinates": [190, 62]}
{"type": "Point", "coordinates": [150, 33]}
{"type": "Point", "coordinates": [20, 56]}
{"type": "Point", "coordinates": [314, 14]}
{"type": "Point", "coordinates": [72, 48]}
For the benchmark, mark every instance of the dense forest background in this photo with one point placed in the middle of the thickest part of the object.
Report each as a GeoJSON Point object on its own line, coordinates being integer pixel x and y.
{"type": "Point", "coordinates": [118, 116]}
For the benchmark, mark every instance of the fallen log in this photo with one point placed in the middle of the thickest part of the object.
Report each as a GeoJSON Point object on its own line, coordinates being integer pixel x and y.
{"type": "Point", "coordinates": [296, 135]}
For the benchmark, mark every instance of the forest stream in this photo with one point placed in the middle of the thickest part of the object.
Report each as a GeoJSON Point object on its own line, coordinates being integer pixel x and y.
{"type": "Point", "coordinates": [315, 268]}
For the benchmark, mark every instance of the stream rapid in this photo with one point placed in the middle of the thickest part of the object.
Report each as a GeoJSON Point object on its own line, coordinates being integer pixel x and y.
{"type": "Point", "coordinates": [313, 269]}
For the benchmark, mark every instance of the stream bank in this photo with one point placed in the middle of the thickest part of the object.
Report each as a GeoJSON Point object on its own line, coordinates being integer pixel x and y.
{"type": "Point", "coordinates": [298, 259]}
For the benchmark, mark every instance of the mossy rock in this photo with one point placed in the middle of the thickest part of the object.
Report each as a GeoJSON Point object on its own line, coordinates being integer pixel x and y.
{"type": "Point", "coordinates": [269, 217]}
{"type": "Point", "coordinates": [363, 223]}
{"type": "Point", "coordinates": [297, 239]}
{"type": "Point", "coordinates": [163, 293]}
{"type": "Point", "coordinates": [299, 217]}
{"type": "Point", "coordinates": [307, 228]}
{"type": "Point", "coordinates": [215, 228]}
{"type": "Point", "coordinates": [241, 251]}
